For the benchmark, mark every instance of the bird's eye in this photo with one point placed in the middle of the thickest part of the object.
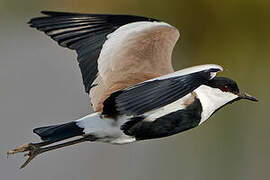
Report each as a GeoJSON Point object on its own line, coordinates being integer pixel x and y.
{"type": "Point", "coordinates": [224, 88]}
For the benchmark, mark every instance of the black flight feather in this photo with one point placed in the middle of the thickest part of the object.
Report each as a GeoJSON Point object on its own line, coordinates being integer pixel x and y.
{"type": "Point", "coordinates": [150, 95]}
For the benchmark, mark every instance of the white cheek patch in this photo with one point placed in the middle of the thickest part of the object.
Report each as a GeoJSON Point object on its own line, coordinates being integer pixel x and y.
{"type": "Point", "coordinates": [212, 99]}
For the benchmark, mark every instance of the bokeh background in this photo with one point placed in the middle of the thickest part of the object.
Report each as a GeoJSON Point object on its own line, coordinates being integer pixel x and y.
{"type": "Point", "coordinates": [40, 84]}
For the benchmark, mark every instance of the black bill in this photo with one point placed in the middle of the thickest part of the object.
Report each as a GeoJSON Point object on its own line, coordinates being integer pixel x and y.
{"type": "Point", "coordinates": [244, 95]}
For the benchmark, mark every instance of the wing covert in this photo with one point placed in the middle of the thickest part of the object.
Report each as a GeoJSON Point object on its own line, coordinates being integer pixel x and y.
{"type": "Point", "coordinates": [153, 94]}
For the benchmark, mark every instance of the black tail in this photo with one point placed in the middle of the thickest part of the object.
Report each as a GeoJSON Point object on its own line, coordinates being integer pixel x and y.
{"type": "Point", "coordinates": [59, 132]}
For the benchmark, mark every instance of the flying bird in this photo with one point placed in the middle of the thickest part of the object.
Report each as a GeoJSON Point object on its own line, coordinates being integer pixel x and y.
{"type": "Point", "coordinates": [125, 62]}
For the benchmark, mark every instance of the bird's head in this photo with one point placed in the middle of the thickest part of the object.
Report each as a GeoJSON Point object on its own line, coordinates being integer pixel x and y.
{"type": "Point", "coordinates": [228, 87]}
{"type": "Point", "coordinates": [217, 93]}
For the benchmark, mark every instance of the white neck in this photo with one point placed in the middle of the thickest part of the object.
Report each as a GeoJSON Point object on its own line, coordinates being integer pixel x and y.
{"type": "Point", "coordinates": [212, 99]}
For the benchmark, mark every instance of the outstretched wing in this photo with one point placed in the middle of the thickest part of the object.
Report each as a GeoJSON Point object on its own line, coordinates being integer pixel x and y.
{"type": "Point", "coordinates": [114, 51]}
{"type": "Point", "coordinates": [158, 92]}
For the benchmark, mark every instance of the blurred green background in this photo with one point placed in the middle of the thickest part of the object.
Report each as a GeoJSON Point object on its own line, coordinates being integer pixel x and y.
{"type": "Point", "coordinates": [40, 84]}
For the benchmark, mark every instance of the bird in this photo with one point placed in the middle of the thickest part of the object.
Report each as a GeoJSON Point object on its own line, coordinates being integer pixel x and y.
{"type": "Point", "coordinates": [125, 63]}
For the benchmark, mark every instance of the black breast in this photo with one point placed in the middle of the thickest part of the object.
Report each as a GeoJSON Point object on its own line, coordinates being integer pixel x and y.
{"type": "Point", "coordinates": [167, 125]}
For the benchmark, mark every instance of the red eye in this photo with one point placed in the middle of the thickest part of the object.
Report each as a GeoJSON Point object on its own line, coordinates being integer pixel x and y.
{"type": "Point", "coordinates": [224, 88]}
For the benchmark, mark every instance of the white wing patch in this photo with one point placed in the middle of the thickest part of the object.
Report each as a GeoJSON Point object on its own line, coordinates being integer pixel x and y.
{"type": "Point", "coordinates": [190, 70]}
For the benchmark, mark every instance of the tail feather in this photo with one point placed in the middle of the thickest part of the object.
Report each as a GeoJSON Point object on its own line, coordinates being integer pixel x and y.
{"type": "Point", "coordinates": [59, 132]}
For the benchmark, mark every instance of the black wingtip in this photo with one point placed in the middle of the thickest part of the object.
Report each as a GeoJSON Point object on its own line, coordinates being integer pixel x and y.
{"type": "Point", "coordinates": [45, 12]}
{"type": "Point", "coordinates": [58, 13]}
{"type": "Point", "coordinates": [215, 70]}
{"type": "Point", "coordinates": [50, 14]}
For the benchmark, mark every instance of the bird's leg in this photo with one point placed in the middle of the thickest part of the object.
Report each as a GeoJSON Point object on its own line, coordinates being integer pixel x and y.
{"type": "Point", "coordinates": [31, 147]}
{"type": "Point", "coordinates": [35, 149]}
